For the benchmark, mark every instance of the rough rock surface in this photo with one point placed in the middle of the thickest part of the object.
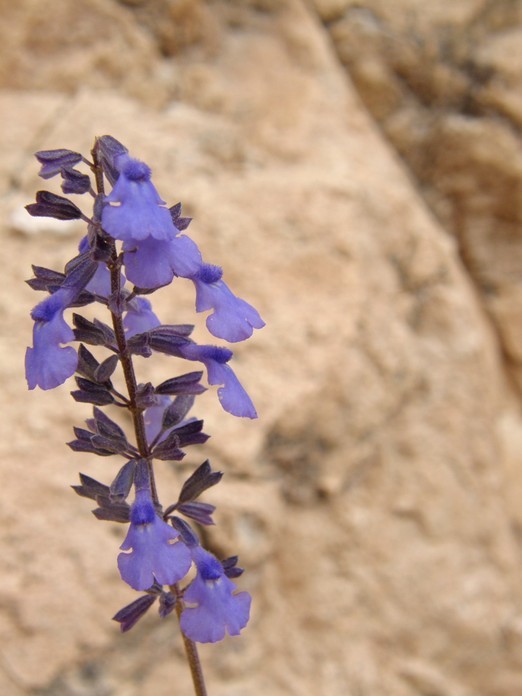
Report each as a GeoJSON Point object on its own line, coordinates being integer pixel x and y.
{"type": "Point", "coordinates": [375, 504]}
{"type": "Point", "coordinates": [444, 83]}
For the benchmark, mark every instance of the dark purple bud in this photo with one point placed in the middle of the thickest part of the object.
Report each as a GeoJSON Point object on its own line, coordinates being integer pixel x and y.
{"type": "Point", "coordinates": [202, 479]}
{"type": "Point", "coordinates": [50, 205]}
{"type": "Point", "coordinates": [109, 444]}
{"type": "Point", "coordinates": [87, 363]}
{"type": "Point", "coordinates": [95, 332]}
{"type": "Point", "coordinates": [106, 426]}
{"type": "Point", "coordinates": [140, 345]}
{"type": "Point", "coordinates": [87, 446]}
{"type": "Point", "coordinates": [188, 535]}
{"type": "Point", "coordinates": [79, 271]}
{"type": "Point", "coordinates": [185, 384]}
{"type": "Point", "coordinates": [92, 393]}
{"type": "Point", "coordinates": [167, 602]}
{"type": "Point", "coordinates": [168, 339]}
{"type": "Point", "coordinates": [199, 512]}
{"type": "Point", "coordinates": [145, 395]}
{"type": "Point", "coordinates": [74, 181]}
{"type": "Point", "coordinates": [183, 330]}
{"type": "Point", "coordinates": [122, 484]}
{"type": "Point", "coordinates": [190, 433]}
{"type": "Point", "coordinates": [112, 515]}
{"type": "Point", "coordinates": [108, 149]}
{"type": "Point", "coordinates": [45, 279]}
{"type": "Point", "coordinates": [111, 511]}
{"type": "Point", "coordinates": [231, 568]}
{"type": "Point", "coordinates": [132, 613]}
{"type": "Point", "coordinates": [84, 443]}
{"type": "Point", "coordinates": [53, 161]}
{"type": "Point", "coordinates": [83, 434]}
{"type": "Point", "coordinates": [177, 410]}
{"type": "Point", "coordinates": [104, 371]}
{"type": "Point", "coordinates": [90, 488]}
{"type": "Point", "coordinates": [168, 449]}
{"type": "Point", "coordinates": [81, 445]}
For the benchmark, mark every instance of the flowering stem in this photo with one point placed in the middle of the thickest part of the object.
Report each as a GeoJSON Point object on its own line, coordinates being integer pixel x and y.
{"type": "Point", "coordinates": [144, 448]}
{"type": "Point", "coordinates": [191, 650]}
{"type": "Point", "coordinates": [129, 374]}
{"type": "Point", "coordinates": [124, 354]}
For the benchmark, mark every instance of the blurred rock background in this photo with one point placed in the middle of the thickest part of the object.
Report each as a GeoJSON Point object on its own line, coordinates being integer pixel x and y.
{"type": "Point", "coordinates": [356, 168]}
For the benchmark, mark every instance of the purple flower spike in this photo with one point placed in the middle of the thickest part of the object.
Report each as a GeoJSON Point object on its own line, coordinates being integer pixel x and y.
{"type": "Point", "coordinates": [140, 212]}
{"type": "Point", "coordinates": [232, 396]}
{"type": "Point", "coordinates": [217, 609]}
{"type": "Point", "coordinates": [47, 364]}
{"type": "Point", "coordinates": [233, 319]}
{"type": "Point", "coordinates": [153, 556]}
{"type": "Point", "coordinates": [139, 317]}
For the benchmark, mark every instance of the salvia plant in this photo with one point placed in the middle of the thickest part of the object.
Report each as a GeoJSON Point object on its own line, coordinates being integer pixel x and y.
{"type": "Point", "coordinates": [134, 244]}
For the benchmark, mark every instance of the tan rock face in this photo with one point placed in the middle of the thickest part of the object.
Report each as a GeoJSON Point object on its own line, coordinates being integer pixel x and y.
{"type": "Point", "coordinates": [444, 83]}
{"type": "Point", "coordinates": [373, 502]}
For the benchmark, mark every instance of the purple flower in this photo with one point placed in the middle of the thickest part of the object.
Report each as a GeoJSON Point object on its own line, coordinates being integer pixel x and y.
{"type": "Point", "coordinates": [152, 263]}
{"type": "Point", "coordinates": [140, 212]}
{"type": "Point", "coordinates": [153, 249]}
{"type": "Point", "coordinates": [233, 319]}
{"type": "Point", "coordinates": [47, 364]}
{"type": "Point", "coordinates": [231, 394]}
{"type": "Point", "coordinates": [153, 555]}
{"type": "Point", "coordinates": [217, 609]}
{"type": "Point", "coordinates": [139, 317]}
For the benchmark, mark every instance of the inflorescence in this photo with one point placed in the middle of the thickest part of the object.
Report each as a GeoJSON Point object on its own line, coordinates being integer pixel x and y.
{"type": "Point", "coordinates": [133, 246]}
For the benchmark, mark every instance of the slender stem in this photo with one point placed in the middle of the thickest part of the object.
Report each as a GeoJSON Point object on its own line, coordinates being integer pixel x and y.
{"type": "Point", "coordinates": [114, 266]}
{"type": "Point", "coordinates": [144, 448]}
{"type": "Point", "coordinates": [191, 650]}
